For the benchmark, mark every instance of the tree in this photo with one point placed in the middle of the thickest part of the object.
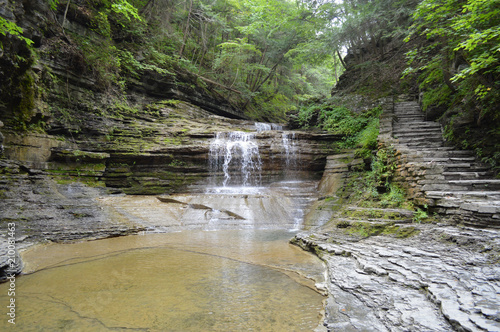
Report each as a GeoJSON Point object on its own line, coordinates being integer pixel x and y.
{"type": "Point", "coordinates": [463, 51]}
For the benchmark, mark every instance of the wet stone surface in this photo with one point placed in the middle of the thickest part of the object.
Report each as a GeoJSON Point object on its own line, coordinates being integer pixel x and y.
{"type": "Point", "coordinates": [444, 279]}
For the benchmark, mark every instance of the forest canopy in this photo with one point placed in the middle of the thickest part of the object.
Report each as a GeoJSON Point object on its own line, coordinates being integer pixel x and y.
{"type": "Point", "coordinates": [269, 57]}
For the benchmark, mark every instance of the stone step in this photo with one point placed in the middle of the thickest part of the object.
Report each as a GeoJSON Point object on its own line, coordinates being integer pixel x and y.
{"type": "Point", "coordinates": [414, 126]}
{"type": "Point", "coordinates": [410, 117]}
{"type": "Point", "coordinates": [479, 206]}
{"type": "Point", "coordinates": [407, 107]}
{"type": "Point", "coordinates": [492, 207]}
{"type": "Point", "coordinates": [412, 134]}
{"type": "Point", "coordinates": [455, 184]}
{"type": "Point", "coordinates": [465, 167]}
{"type": "Point", "coordinates": [419, 139]}
{"type": "Point", "coordinates": [451, 160]}
{"type": "Point", "coordinates": [433, 154]}
{"type": "Point", "coordinates": [466, 175]}
{"type": "Point", "coordinates": [465, 195]}
{"type": "Point", "coordinates": [424, 144]}
{"type": "Point", "coordinates": [434, 182]}
{"type": "Point", "coordinates": [481, 184]}
{"type": "Point", "coordinates": [408, 112]}
{"type": "Point", "coordinates": [434, 186]}
{"type": "Point", "coordinates": [421, 131]}
{"type": "Point", "coordinates": [435, 136]}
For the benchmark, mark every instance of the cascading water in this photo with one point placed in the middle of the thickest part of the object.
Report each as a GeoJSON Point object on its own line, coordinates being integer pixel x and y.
{"type": "Point", "coordinates": [236, 155]}
{"type": "Point", "coordinates": [290, 150]}
{"type": "Point", "coordinates": [262, 126]}
{"type": "Point", "coordinates": [243, 192]}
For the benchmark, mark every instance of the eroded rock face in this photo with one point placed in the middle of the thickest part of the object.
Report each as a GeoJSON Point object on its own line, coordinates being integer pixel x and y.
{"type": "Point", "coordinates": [45, 210]}
{"type": "Point", "coordinates": [2, 138]}
{"type": "Point", "coordinates": [146, 154]}
{"type": "Point", "coordinates": [10, 261]}
{"type": "Point", "coordinates": [441, 280]}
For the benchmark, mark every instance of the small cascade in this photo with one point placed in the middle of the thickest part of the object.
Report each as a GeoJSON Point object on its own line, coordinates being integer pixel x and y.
{"type": "Point", "coordinates": [236, 155]}
{"type": "Point", "coordinates": [290, 150]}
{"type": "Point", "coordinates": [254, 181]}
{"type": "Point", "coordinates": [262, 126]}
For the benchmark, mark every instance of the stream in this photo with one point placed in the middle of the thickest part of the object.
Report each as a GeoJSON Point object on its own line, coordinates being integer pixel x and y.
{"type": "Point", "coordinates": [231, 280]}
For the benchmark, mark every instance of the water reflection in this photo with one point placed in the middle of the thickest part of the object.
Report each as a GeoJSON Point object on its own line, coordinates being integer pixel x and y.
{"type": "Point", "coordinates": [187, 281]}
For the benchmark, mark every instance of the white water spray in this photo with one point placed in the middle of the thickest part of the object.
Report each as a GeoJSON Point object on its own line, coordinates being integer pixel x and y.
{"type": "Point", "coordinates": [262, 126]}
{"type": "Point", "coordinates": [289, 150]}
{"type": "Point", "coordinates": [236, 154]}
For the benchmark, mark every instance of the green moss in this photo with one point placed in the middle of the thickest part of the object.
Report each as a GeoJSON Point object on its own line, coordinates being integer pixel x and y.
{"type": "Point", "coordinates": [93, 182]}
{"type": "Point", "coordinates": [364, 229]}
{"type": "Point", "coordinates": [170, 102]}
{"type": "Point", "coordinates": [172, 141]}
{"type": "Point", "coordinates": [81, 156]}
{"type": "Point", "coordinates": [25, 105]}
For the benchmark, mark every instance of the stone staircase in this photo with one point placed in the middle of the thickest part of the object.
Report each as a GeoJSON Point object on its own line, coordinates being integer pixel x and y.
{"type": "Point", "coordinates": [449, 181]}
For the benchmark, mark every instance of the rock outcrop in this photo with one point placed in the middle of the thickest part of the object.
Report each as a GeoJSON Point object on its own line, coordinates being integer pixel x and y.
{"type": "Point", "coordinates": [442, 279]}
{"type": "Point", "coordinates": [158, 154]}
{"type": "Point", "coordinates": [387, 271]}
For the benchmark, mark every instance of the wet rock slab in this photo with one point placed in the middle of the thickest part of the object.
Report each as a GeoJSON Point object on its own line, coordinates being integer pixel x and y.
{"type": "Point", "coordinates": [444, 279]}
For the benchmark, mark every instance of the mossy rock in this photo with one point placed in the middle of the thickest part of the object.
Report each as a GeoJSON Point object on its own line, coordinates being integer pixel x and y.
{"type": "Point", "coordinates": [68, 155]}
{"type": "Point", "coordinates": [366, 229]}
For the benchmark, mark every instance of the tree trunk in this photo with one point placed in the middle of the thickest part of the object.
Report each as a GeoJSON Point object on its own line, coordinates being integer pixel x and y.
{"type": "Point", "coordinates": [65, 13]}
{"type": "Point", "coordinates": [218, 84]}
{"type": "Point", "coordinates": [341, 60]}
{"type": "Point", "coordinates": [186, 31]}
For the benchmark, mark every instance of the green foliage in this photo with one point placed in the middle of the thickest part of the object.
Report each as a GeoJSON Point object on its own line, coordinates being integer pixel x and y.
{"type": "Point", "coordinates": [125, 9]}
{"type": "Point", "coordinates": [306, 114]}
{"type": "Point", "coordinates": [10, 28]}
{"type": "Point", "coordinates": [364, 25]}
{"type": "Point", "coordinates": [384, 166]}
{"type": "Point", "coordinates": [367, 139]}
{"type": "Point", "coordinates": [458, 68]}
{"type": "Point", "coordinates": [358, 130]}
{"type": "Point", "coordinates": [265, 57]}
{"type": "Point", "coordinates": [459, 30]}
{"type": "Point", "coordinates": [339, 120]}
{"type": "Point", "coordinates": [420, 215]}
{"type": "Point", "coordinates": [53, 4]}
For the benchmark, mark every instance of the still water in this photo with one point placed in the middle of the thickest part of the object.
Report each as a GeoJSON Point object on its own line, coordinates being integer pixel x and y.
{"type": "Point", "coordinates": [231, 280]}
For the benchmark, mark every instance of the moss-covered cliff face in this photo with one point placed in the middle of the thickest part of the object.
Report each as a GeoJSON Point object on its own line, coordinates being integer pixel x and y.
{"type": "Point", "coordinates": [69, 109]}
{"type": "Point", "coordinates": [77, 105]}
{"type": "Point", "coordinates": [81, 71]}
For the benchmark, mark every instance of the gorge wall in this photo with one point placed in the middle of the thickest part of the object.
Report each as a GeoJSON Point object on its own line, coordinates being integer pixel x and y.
{"type": "Point", "coordinates": [69, 139]}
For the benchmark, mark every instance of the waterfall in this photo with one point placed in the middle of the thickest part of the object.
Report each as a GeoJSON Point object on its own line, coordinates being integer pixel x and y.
{"type": "Point", "coordinates": [262, 126]}
{"type": "Point", "coordinates": [243, 190]}
{"type": "Point", "coordinates": [290, 150]}
{"type": "Point", "coordinates": [236, 155]}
